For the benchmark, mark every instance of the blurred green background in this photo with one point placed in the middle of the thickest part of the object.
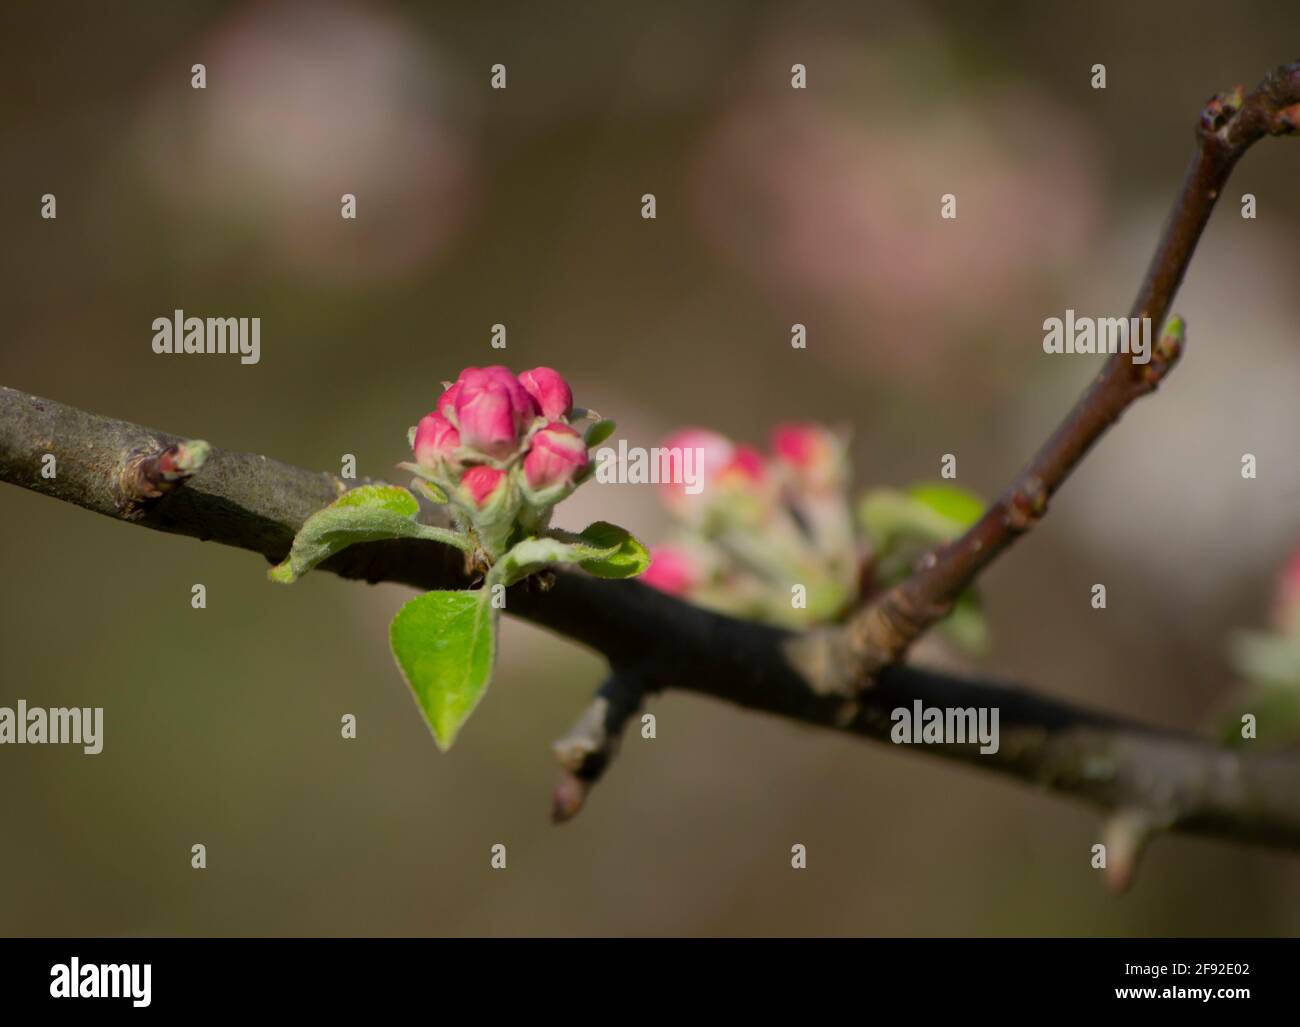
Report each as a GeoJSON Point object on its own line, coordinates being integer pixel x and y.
{"type": "Point", "coordinates": [522, 206]}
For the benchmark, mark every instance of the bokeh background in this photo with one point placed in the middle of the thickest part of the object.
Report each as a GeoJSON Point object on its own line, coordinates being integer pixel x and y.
{"type": "Point", "coordinates": [523, 207]}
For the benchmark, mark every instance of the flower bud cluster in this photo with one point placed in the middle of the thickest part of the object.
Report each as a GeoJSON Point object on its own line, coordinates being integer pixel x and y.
{"type": "Point", "coordinates": [502, 450]}
{"type": "Point", "coordinates": [761, 525]}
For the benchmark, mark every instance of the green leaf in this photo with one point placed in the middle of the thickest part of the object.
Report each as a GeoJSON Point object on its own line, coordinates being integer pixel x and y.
{"type": "Point", "coordinates": [605, 550]}
{"type": "Point", "coordinates": [445, 645]}
{"type": "Point", "coordinates": [955, 505]}
{"type": "Point", "coordinates": [529, 557]}
{"type": "Point", "coordinates": [926, 513]}
{"type": "Point", "coordinates": [368, 513]}
{"type": "Point", "coordinates": [599, 432]}
{"type": "Point", "coordinates": [621, 554]}
{"type": "Point", "coordinates": [888, 514]}
{"type": "Point", "coordinates": [391, 498]}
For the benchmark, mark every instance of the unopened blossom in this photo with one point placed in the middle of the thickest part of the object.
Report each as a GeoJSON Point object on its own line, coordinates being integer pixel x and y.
{"type": "Point", "coordinates": [549, 391]}
{"type": "Point", "coordinates": [492, 410]}
{"type": "Point", "coordinates": [556, 456]}
{"type": "Point", "coordinates": [698, 454]}
{"type": "Point", "coordinates": [812, 453]}
{"type": "Point", "coordinates": [447, 402]}
{"type": "Point", "coordinates": [436, 439]}
{"type": "Point", "coordinates": [483, 485]}
{"type": "Point", "coordinates": [673, 569]}
{"type": "Point", "coordinates": [745, 469]}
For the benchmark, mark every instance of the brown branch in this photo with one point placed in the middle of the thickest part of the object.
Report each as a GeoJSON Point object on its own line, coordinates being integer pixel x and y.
{"type": "Point", "coordinates": [882, 631]}
{"type": "Point", "coordinates": [255, 503]}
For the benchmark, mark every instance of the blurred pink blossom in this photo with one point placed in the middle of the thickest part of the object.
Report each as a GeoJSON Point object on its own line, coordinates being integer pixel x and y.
{"type": "Point", "coordinates": [834, 206]}
{"type": "Point", "coordinates": [673, 569]}
{"type": "Point", "coordinates": [306, 102]}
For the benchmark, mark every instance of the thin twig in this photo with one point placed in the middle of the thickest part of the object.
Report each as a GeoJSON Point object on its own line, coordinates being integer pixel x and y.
{"type": "Point", "coordinates": [586, 751]}
{"type": "Point", "coordinates": [882, 632]}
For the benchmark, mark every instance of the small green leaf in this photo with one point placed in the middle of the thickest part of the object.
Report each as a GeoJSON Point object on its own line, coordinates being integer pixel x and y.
{"type": "Point", "coordinates": [390, 498]}
{"type": "Point", "coordinates": [960, 507]}
{"type": "Point", "coordinates": [888, 514]}
{"type": "Point", "coordinates": [605, 550]}
{"type": "Point", "coordinates": [368, 513]}
{"type": "Point", "coordinates": [599, 432]}
{"type": "Point", "coordinates": [529, 556]}
{"type": "Point", "coordinates": [926, 513]}
{"type": "Point", "coordinates": [627, 557]}
{"type": "Point", "coordinates": [445, 645]}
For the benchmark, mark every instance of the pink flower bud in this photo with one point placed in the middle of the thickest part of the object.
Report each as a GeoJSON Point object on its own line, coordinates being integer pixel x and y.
{"type": "Point", "coordinates": [557, 454]}
{"type": "Point", "coordinates": [550, 392]}
{"type": "Point", "coordinates": [447, 402]}
{"type": "Point", "coordinates": [746, 469]}
{"type": "Point", "coordinates": [482, 484]}
{"type": "Point", "coordinates": [696, 458]}
{"type": "Point", "coordinates": [814, 454]}
{"type": "Point", "coordinates": [435, 441]}
{"type": "Point", "coordinates": [492, 410]}
{"type": "Point", "coordinates": [672, 569]}
{"type": "Point", "coordinates": [744, 492]}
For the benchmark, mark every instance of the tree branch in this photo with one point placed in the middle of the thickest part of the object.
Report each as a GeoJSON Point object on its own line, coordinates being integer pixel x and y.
{"type": "Point", "coordinates": [1230, 123]}
{"type": "Point", "coordinates": [255, 503]}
